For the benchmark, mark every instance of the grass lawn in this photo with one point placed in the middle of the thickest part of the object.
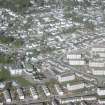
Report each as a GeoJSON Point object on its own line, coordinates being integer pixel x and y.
{"type": "Point", "coordinates": [6, 40]}
{"type": "Point", "coordinates": [15, 5]}
{"type": "Point", "coordinates": [9, 39]}
{"type": "Point", "coordinates": [17, 43]}
{"type": "Point", "coordinates": [21, 81]}
{"type": "Point", "coordinates": [4, 75]}
{"type": "Point", "coordinates": [5, 59]}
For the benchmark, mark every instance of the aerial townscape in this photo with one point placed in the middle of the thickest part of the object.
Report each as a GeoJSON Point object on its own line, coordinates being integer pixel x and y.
{"type": "Point", "coordinates": [52, 52]}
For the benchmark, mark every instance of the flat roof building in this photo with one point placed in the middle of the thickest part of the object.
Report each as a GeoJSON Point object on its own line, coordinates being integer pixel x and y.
{"type": "Point", "coordinates": [77, 99]}
{"type": "Point", "coordinates": [63, 77]}
{"type": "Point", "coordinates": [46, 90]}
{"type": "Point", "coordinates": [96, 64]}
{"type": "Point", "coordinates": [89, 98]}
{"type": "Point", "coordinates": [98, 71]}
{"type": "Point", "coordinates": [98, 49]}
{"type": "Point", "coordinates": [7, 96]}
{"type": "Point", "coordinates": [20, 93]}
{"type": "Point", "coordinates": [101, 91]}
{"type": "Point", "coordinates": [59, 89]}
{"type": "Point", "coordinates": [53, 103]}
{"type": "Point", "coordinates": [101, 54]}
{"type": "Point", "coordinates": [101, 101]}
{"type": "Point", "coordinates": [75, 85]}
{"type": "Point", "coordinates": [34, 93]}
{"type": "Point", "coordinates": [77, 62]}
{"type": "Point", "coordinates": [74, 56]}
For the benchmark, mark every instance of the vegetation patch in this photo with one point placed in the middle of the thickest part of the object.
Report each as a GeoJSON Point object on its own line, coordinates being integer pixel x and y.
{"type": "Point", "coordinates": [15, 5]}
{"type": "Point", "coordinates": [4, 75]}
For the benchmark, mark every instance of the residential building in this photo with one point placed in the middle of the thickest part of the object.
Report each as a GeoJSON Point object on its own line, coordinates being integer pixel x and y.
{"type": "Point", "coordinates": [34, 93]}
{"type": "Point", "coordinates": [3, 49]}
{"type": "Point", "coordinates": [46, 90]}
{"type": "Point", "coordinates": [101, 54]}
{"type": "Point", "coordinates": [53, 103]}
{"type": "Point", "coordinates": [98, 71]}
{"type": "Point", "coordinates": [101, 91]}
{"type": "Point", "coordinates": [7, 96]}
{"type": "Point", "coordinates": [20, 93]}
{"type": "Point", "coordinates": [96, 64]}
{"type": "Point", "coordinates": [66, 77]}
{"type": "Point", "coordinates": [69, 100]}
{"type": "Point", "coordinates": [2, 85]}
{"type": "Point", "coordinates": [59, 89]}
{"type": "Point", "coordinates": [77, 62]}
{"type": "Point", "coordinates": [101, 101]}
{"type": "Point", "coordinates": [75, 85]}
{"type": "Point", "coordinates": [15, 71]}
{"type": "Point", "coordinates": [89, 97]}
{"type": "Point", "coordinates": [77, 99]}
{"type": "Point", "coordinates": [74, 56]}
{"type": "Point", "coordinates": [98, 49]}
